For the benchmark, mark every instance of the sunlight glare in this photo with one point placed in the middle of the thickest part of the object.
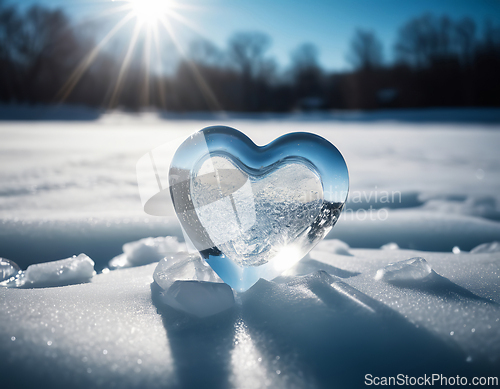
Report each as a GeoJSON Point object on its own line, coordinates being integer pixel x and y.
{"type": "Point", "coordinates": [148, 11]}
{"type": "Point", "coordinates": [287, 256]}
{"type": "Point", "coordinates": [148, 16]}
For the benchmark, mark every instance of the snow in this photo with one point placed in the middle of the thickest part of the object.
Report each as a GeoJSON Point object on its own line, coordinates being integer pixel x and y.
{"type": "Point", "coordinates": [492, 247]}
{"type": "Point", "coordinates": [314, 329]}
{"type": "Point", "coordinates": [146, 251]}
{"type": "Point", "coordinates": [482, 206]}
{"type": "Point", "coordinates": [389, 246]}
{"type": "Point", "coordinates": [85, 335]}
{"type": "Point", "coordinates": [459, 303]}
{"type": "Point", "coordinates": [198, 298]}
{"type": "Point", "coordinates": [416, 229]}
{"type": "Point", "coordinates": [413, 269]}
{"type": "Point", "coordinates": [69, 187]}
{"type": "Point", "coordinates": [63, 272]}
{"type": "Point", "coordinates": [333, 246]}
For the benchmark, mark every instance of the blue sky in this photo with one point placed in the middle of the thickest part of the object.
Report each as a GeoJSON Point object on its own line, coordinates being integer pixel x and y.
{"type": "Point", "coordinates": [328, 24]}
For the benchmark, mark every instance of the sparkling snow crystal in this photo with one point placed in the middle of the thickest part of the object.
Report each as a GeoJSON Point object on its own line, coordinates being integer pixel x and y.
{"type": "Point", "coordinates": [188, 284]}
{"type": "Point", "coordinates": [412, 269]}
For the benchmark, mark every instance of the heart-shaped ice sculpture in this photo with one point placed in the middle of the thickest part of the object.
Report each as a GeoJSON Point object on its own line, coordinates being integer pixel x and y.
{"type": "Point", "coordinates": [253, 212]}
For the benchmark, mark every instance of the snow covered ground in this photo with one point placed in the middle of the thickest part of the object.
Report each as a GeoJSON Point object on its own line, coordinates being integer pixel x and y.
{"type": "Point", "coordinates": [311, 331]}
{"type": "Point", "coordinates": [70, 187]}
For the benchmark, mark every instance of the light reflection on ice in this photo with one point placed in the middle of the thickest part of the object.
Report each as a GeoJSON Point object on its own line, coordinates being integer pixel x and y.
{"type": "Point", "coordinates": [8, 269]}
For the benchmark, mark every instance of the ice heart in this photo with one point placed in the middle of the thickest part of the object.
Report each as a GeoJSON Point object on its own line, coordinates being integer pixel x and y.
{"type": "Point", "coordinates": [253, 212]}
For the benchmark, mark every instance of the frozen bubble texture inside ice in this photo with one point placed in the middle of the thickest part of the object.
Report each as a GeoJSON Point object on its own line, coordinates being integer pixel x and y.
{"type": "Point", "coordinates": [265, 214]}
{"type": "Point", "coordinates": [253, 212]}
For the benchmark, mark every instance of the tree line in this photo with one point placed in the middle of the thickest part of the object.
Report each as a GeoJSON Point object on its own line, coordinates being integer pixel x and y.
{"type": "Point", "coordinates": [437, 61]}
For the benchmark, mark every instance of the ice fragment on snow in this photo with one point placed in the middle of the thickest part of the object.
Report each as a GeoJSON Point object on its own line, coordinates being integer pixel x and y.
{"type": "Point", "coordinates": [492, 247]}
{"type": "Point", "coordinates": [412, 269]}
{"type": "Point", "coordinates": [333, 246]}
{"type": "Point", "coordinates": [390, 246]}
{"type": "Point", "coordinates": [56, 273]}
{"type": "Point", "coordinates": [147, 250]}
{"type": "Point", "coordinates": [65, 271]}
{"type": "Point", "coordinates": [199, 298]}
{"type": "Point", "coordinates": [188, 284]}
{"type": "Point", "coordinates": [8, 269]}
{"type": "Point", "coordinates": [183, 267]}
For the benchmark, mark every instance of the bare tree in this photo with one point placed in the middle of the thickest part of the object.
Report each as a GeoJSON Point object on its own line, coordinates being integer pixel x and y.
{"type": "Point", "coordinates": [491, 37]}
{"type": "Point", "coordinates": [428, 39]}
{"type": "Point", "coordinates": [465, 38]}
{"type": "Point", "coordinates": [10, 27]}
{"type": "Point", "coordinates": [204, 52]}
{"type": "Point", "coordinates": [305, 57]}
{"type": "Point", "coordinates": [306, 71]}
{"type": "Point", "coordinates": [365, 51]}
{"type": "Point", "coordinates": [10, 40]}
{"type": "Point", "coordinates": [246, 50]}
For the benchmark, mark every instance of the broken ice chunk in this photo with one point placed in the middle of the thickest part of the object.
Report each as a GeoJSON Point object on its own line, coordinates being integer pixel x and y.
{"type": "Point", "coordinates": [188, 284]}
{"type": "Point", "coordinates": [412, 269]}
{"type": "Point", "coordinates": [63, 272]}
{"type": "Point", "coordinates": [67, 271]}
{"type": "Point", "coordinates": [147, 250]}
{"type": "Point", "coordinates": [8, 269]}
{"type": "Point", "coordinates": [390, 246]}
{"type": "Point", "coordinates": [492, 247]}
{"type": "Point", "coordinates": [199, 298]}
{"type": "Point", "coordinates": [183, 267]}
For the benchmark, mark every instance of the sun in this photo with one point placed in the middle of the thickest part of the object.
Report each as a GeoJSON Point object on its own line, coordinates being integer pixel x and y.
{"type": "Point", "coordinates": [149, 11]}
{"type": "Point", "coordinates": [152, 17]}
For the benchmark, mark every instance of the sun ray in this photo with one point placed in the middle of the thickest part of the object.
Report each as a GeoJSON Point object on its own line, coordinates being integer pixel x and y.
{"type": "Point", "coordinates": [148, 14]}
{"type": "Point", "coordinates": [187, 23]}
{"type": "Point", "coordinates": [207, 92]}
{"type": "Point", "coordinates": [77, 74]}
{"type": "Point", "coordinates": [102, 14]}
{"type": "Point", "coordinates": [161, 84]}
{"type": "Point", "coordinates": [177, 5]}
{"type": "Point", "coordinates": [147, 65]}
{"type": "Point", "coordinates": [126, 61]}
